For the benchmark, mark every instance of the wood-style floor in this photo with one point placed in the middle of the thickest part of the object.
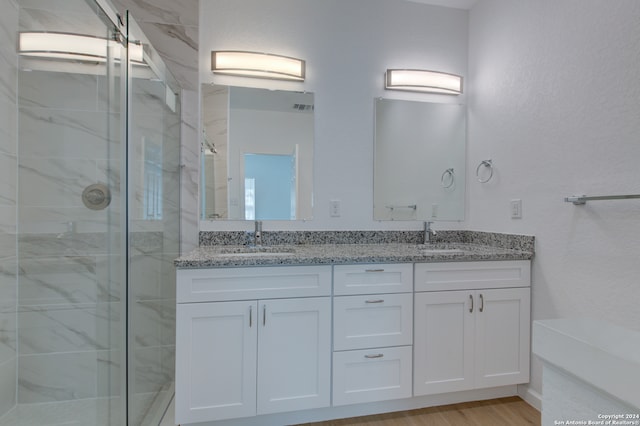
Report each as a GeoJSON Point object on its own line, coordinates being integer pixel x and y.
{"type": "Point", "coordinates": [511, 411]}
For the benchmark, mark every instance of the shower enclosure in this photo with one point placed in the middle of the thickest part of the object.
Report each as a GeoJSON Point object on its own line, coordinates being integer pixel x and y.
{"type": "Point", "coordinates": [89, 217]}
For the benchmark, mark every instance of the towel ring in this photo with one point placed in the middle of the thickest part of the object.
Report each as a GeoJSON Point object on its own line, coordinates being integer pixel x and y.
{"type": "Point", "coordinates": [452, 178]}
{"type": "Point", "coordinates": [488, 164]}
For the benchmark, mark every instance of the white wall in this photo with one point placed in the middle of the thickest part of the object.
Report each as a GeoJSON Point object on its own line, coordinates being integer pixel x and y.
{"type": "Point", "coordinates": [348, 45]}
{"type": "Point", "coordinates": [554, 99]}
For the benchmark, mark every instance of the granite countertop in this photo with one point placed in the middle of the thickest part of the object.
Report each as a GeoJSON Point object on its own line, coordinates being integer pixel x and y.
{"type": "Point", "coordinates": [332, 254]}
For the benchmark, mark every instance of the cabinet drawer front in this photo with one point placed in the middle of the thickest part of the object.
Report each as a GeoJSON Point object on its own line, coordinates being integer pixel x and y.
{"type": "Point", "coordinates": [371, 375]}
{"type": "Point", "coordinates": [222, 284]}
{"type": "Point", "coordinates": [373, 278]}
{"type": "Point", "coordinates": [472, 275]}
{"type": "Point", "coordinates": [372, 321]}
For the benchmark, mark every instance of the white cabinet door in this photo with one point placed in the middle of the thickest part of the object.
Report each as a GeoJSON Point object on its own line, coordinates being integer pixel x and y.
{"type": "Point", "coordinates": [372, 321]}
{"type": "Point", "coordinates": [502, 336]}
{"type": "Point", "coordinates": [294, 355]}
{"type": "Point", "coordinates": [443, 342]}
{"type": "Point", "coordinates": [215, 361]}
{"type": "Point", "coordinates": [471, 339]}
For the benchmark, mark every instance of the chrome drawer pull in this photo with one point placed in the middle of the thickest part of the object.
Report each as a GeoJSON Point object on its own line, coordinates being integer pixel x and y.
{"type": "Point", "coordinates": [481, 303]}
{"type": "Point", "coordinates": [374, 301]}
{"type": "Point", "coordinates": [471, 299]}
{"type": "Point", "coordinates": [374, 270]}
{"type": "Point", "coordinates": [250, 316]}
{"type": "Point", "coordinates": [374, 356]}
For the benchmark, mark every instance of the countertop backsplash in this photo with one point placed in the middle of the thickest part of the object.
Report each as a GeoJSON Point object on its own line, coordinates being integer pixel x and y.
{"type": "Point", "coordinates": [270, 238]}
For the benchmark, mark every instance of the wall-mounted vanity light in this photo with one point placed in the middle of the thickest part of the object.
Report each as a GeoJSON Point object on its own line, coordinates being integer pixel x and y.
{"type": "Point", "coordinates": [68, 46]}
{"type": "Point", "coordinates": [423, 81]}
{"type": "Point", "coordinates": [259, 65]}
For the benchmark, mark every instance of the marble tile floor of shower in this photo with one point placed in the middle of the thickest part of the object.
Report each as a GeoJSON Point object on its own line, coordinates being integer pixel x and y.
{"type": "Point", "coordinates": [82, 412]}
{"type": "Point", "coordinates": [89, 412]}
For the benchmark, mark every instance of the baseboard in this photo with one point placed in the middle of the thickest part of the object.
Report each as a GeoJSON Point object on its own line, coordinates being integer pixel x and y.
{"type": "Point", "coordinates": [530, 396]}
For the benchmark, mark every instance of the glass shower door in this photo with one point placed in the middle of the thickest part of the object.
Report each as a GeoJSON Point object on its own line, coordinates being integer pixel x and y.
{"type": "Point", "coordinates": [154, 230]}
{"type": "Point", "coordinates": [97, 199]}
{"type": "Point", "coordinates": [71, 352]}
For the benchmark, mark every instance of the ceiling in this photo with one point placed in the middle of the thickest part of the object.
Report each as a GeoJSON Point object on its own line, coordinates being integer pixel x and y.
{"type": "Point", "coordinates": [458, 4]}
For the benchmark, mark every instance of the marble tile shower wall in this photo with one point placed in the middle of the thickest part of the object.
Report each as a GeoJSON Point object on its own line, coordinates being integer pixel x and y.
{"type": "Point", "coordinates": [172, 28]}
{"type": "Point", "coordinates": [8, 197]}
{"type": "Point", "coordinates": [152, 280]}
{"type": "Point", "coordinates": [190, 177]}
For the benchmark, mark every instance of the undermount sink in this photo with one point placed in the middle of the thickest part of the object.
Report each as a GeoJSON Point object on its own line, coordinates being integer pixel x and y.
{"type": "Point", "coordinates": [428, 251]}
{"type": "Point", "coordinates": [256, 251]}
{"type": "Point", "coordinates": [258, 254]}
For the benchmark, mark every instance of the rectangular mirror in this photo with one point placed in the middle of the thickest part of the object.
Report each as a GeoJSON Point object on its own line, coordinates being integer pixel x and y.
{"type": "Point", "coordinates": [419, 170]}
{"type": "Point", "coordinates": [257, 154]}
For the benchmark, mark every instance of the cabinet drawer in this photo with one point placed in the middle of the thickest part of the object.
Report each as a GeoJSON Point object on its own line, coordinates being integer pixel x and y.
{"type": "Point", "coordinates": [372, 278]}
{"type": "Point", "coordinates": [371, 375]}
{"type": "Point", "coordinates": [472, 275]}
{"type": "Point", "coordinates": [222, 284]}
{"type": "Point", "coordinates": [371, 321]}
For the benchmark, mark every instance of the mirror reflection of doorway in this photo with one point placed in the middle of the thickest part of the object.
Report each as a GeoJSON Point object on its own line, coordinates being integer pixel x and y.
{"type": "Point", "coordinates": [269, 186]}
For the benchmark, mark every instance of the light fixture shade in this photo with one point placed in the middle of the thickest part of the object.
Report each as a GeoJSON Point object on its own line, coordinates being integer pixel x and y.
{"type": "Point", "coordinates": [77, 47]}
{"type": "Point", "coordinates": [423, 81]}
{"type": "Point", "coordinates": [259, 65]}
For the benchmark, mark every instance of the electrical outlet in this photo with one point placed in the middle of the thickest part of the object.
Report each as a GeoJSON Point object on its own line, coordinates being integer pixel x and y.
{"type": "Point", "coordinates": [434, 211]}
{"type": "Point", "coordinates": [516, 209]}
{"type": "Point", "coordinates": [334, 208]}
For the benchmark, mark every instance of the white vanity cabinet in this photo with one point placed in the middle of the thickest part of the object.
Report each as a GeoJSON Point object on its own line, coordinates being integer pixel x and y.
{"type": "Point", "coordinates": [239, 358]}
{"type": "Point", "coordinates": [320, 341]}
{"type": "Point", "coordinates": [372, 332]}
{"type": "Point", "coordinates": [472, 325]}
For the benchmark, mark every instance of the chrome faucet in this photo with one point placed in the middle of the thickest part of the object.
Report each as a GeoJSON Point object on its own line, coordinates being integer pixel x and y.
{"type": "Point", "coordinates": [429, 234]}
{"type": "Point", "coordinates": [257, 234]}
